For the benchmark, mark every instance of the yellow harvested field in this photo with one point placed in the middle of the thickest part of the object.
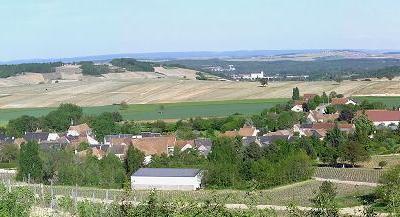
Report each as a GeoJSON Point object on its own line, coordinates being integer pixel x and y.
{"type": "Point", "coordinates": [177, 72]}
{"type": "Point", "coordinates": [106, 91]}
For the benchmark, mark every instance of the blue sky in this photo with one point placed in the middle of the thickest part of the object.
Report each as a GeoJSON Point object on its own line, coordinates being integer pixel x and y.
{"type": "Point", "coordinates": [69, 28]}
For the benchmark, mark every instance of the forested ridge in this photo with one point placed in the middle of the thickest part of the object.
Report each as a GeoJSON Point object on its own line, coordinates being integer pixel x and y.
{"type": "Point", "coordinates": [317, 70]}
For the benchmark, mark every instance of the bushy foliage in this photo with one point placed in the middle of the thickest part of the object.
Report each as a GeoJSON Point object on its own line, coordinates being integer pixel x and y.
{"type": "Point", "coordinates": [11, 70]}
{"type": "Point", "coordinates": [60, 119]}
{"type": "Point", "coordinates": [133, 65]}
{"type": "Point", "coordinates": [16, 203]}
{"type": "Point", "coordinates": [30, 165]}
{"type": "Point", "coordinates": [89, 68]}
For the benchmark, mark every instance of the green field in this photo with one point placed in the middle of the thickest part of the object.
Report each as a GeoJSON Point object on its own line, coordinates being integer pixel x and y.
{"type": "Point", "coordinates": [169, 111]}
{"type": "Point", "coordinates": [389, 101]}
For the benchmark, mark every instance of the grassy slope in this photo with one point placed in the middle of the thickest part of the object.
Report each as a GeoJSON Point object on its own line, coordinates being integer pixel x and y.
{"type": "Point", "coordinates": [298, 193]}
{"type": "Point", "coordinates": [170, 111]}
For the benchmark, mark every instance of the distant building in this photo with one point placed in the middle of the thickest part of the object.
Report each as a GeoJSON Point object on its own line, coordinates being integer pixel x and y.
{"type": "Point", "coordinates": [253, 76]}
{"type": "Point", "coordinates": [166, 179]}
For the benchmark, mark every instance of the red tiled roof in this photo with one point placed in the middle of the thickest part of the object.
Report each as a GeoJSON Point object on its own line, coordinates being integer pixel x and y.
{"type": "Point", "coordinates": [382, 115]}
{"type": "Point", "coordinates": [154, 145]}
{"type": "Point", "coordinates": [247, 131]}
{"type": "Point", "coordinates": [308, 96]}
{"type": "Point", "coordinates": [299, 102]}
{"type": "Point", "coordinates": [339, 101]}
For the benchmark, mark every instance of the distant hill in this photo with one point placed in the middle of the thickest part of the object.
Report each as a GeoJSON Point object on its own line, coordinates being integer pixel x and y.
{"type": "Point", "coordinates": [190, 55]}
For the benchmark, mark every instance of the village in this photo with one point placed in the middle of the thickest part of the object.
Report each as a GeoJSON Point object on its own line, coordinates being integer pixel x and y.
{"type": "Point", "coordinates": [316, 121]}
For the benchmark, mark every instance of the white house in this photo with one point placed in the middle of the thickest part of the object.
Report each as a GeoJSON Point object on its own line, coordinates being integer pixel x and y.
{"type": "Point", "coordinates": [297, 108]}
{"type": "Point", "coordinates": [166, 179]}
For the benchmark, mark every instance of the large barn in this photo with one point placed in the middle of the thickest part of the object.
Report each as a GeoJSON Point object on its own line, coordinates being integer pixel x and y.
{"type": "Point", "coordinates": [166, 179]}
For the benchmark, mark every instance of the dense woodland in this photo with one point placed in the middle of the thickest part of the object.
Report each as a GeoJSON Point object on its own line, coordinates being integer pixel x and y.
{"type": "Point", "coordinates": [89, 68]}
{"type": "Point", "coordinates": [12, 70]}
{"type": "Point", "coordinates": [133, 65]}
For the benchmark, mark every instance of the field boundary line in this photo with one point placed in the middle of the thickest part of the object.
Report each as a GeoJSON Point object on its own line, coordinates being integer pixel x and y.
{"type": "Point", "coordinates": [372, 184]}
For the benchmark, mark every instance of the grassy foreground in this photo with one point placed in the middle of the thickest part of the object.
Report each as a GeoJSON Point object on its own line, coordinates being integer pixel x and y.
{"type": "Point", "coordinates": [162, 111]}
{"type": "Point", "coordinates": [298, 193]}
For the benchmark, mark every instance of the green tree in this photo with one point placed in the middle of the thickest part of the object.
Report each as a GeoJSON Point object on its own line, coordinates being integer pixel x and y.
{"type": "Point", "coordinates": [324, 201]}
{"type": "Point", "coordinates": [296, 94]}
{"type": "Point", "coordinates": [112, 172]}
{"type": "Point", "coordinates": [61, 119]}
{"type": "Point", "coordinates": [334, 139]}
{"type": "Point", "coordinates": [83, 146]}
{"type": "Point", "coordinates": [133, 160]}
{"type": "Point", "coordinates": [364, 128]}
{"type": "Point", "coordinates": [16, 203]}
{"type": "Point", "coordinates": [30, 164]}
{"type": "Point", "coordinates": [324, 98]}
{"type": "Point", "coordinates": [224, 163]}
{"type": "Point", "coordinates": [17, 127]}
{"type": "Point", "coordinates": [330, 109]}
{"type": "Point", "coordinates": [353, 152]}
{"type": "Point", "coordinates": [389, 192]}
{"type": "Point", "coordinates": [9, 153]}
{"type": "Point", "coordinates": [104, 124]}
{"type": "Point", "coordinates": [346, 115]}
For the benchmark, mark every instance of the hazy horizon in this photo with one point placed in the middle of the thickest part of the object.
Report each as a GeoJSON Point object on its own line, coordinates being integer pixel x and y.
{"type": "Point", "coordinates": [45, 29]}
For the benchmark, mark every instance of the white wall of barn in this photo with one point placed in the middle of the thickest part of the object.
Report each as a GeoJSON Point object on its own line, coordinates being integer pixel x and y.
{"type": "Point", "coordinates": [166, 183]}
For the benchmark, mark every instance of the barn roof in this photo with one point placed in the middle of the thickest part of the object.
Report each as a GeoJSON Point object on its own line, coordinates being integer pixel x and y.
{"type": "Point", "coordinates": [166, 172]}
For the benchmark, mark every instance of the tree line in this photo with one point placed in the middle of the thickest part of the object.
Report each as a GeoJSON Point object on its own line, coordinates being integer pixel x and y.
{"type": "Point", "coordinates": [15, 69]}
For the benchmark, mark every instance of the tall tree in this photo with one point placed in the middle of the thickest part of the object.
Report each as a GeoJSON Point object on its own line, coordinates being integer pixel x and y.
{"type": "Point", "coordinates": [63, 117]}
{"type": "Point", "coordinates": [364, 128]}
{"type": "Point", "coordinates": [324, 201]}
{"type": "Point", "coordinates": [30, 164]}
{"type": "Point", "coordinates": [296, 94]}
{"type": "Point", "coordinates": [133, 160]}
{"type": "Point", "coordinates": [17, 127]}
{"type": "Point", "coordinates": [353, 152]}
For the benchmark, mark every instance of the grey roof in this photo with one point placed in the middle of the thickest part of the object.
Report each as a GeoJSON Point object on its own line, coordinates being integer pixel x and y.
{"type": "Point", "coordinates": [249, 139]}
{"type": "Point", "coordinates": [6, 139]}
{"type": "Point", "coordinates": [202, 142]}
{"type": "Point", "coordinates": [109, 137]}
{"type": "Point", "coordinates": [150, 134]}
{"type": "Point", "coordinates": [117, 149]}
{"type": "Point", "coordinates": [36, 136]}
{"type": "Point", "coordinates": [166, 172]}
{"type": "Point", "coordinates": [266, 140]}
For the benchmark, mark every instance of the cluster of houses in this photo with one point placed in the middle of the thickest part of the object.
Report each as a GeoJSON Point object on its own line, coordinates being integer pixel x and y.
{"type": "Point", "coordinates": [151, 144]}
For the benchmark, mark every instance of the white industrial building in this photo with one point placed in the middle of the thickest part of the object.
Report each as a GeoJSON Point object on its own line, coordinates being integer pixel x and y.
{"type": "Point", "coordinates": [253, 76]}
{"type": "Point", "coordinates": [166, 179]}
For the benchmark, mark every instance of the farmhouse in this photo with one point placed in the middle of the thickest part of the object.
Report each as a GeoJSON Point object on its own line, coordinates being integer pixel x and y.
{"type": "Point", "coordinates": [309, 96]}
{"type": "Point", "coordinates": [382, 117]}
{"type": "Point", "coordinates": [298, 105]}
{"type": "Point", "coordinates": [245, 131]}
{"type": "Point", "coordinates": [166, 179]}
{"type": "Point", "coordinates": [343, 101]}
{"type": "Point", "coordinates": [315, 116]}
